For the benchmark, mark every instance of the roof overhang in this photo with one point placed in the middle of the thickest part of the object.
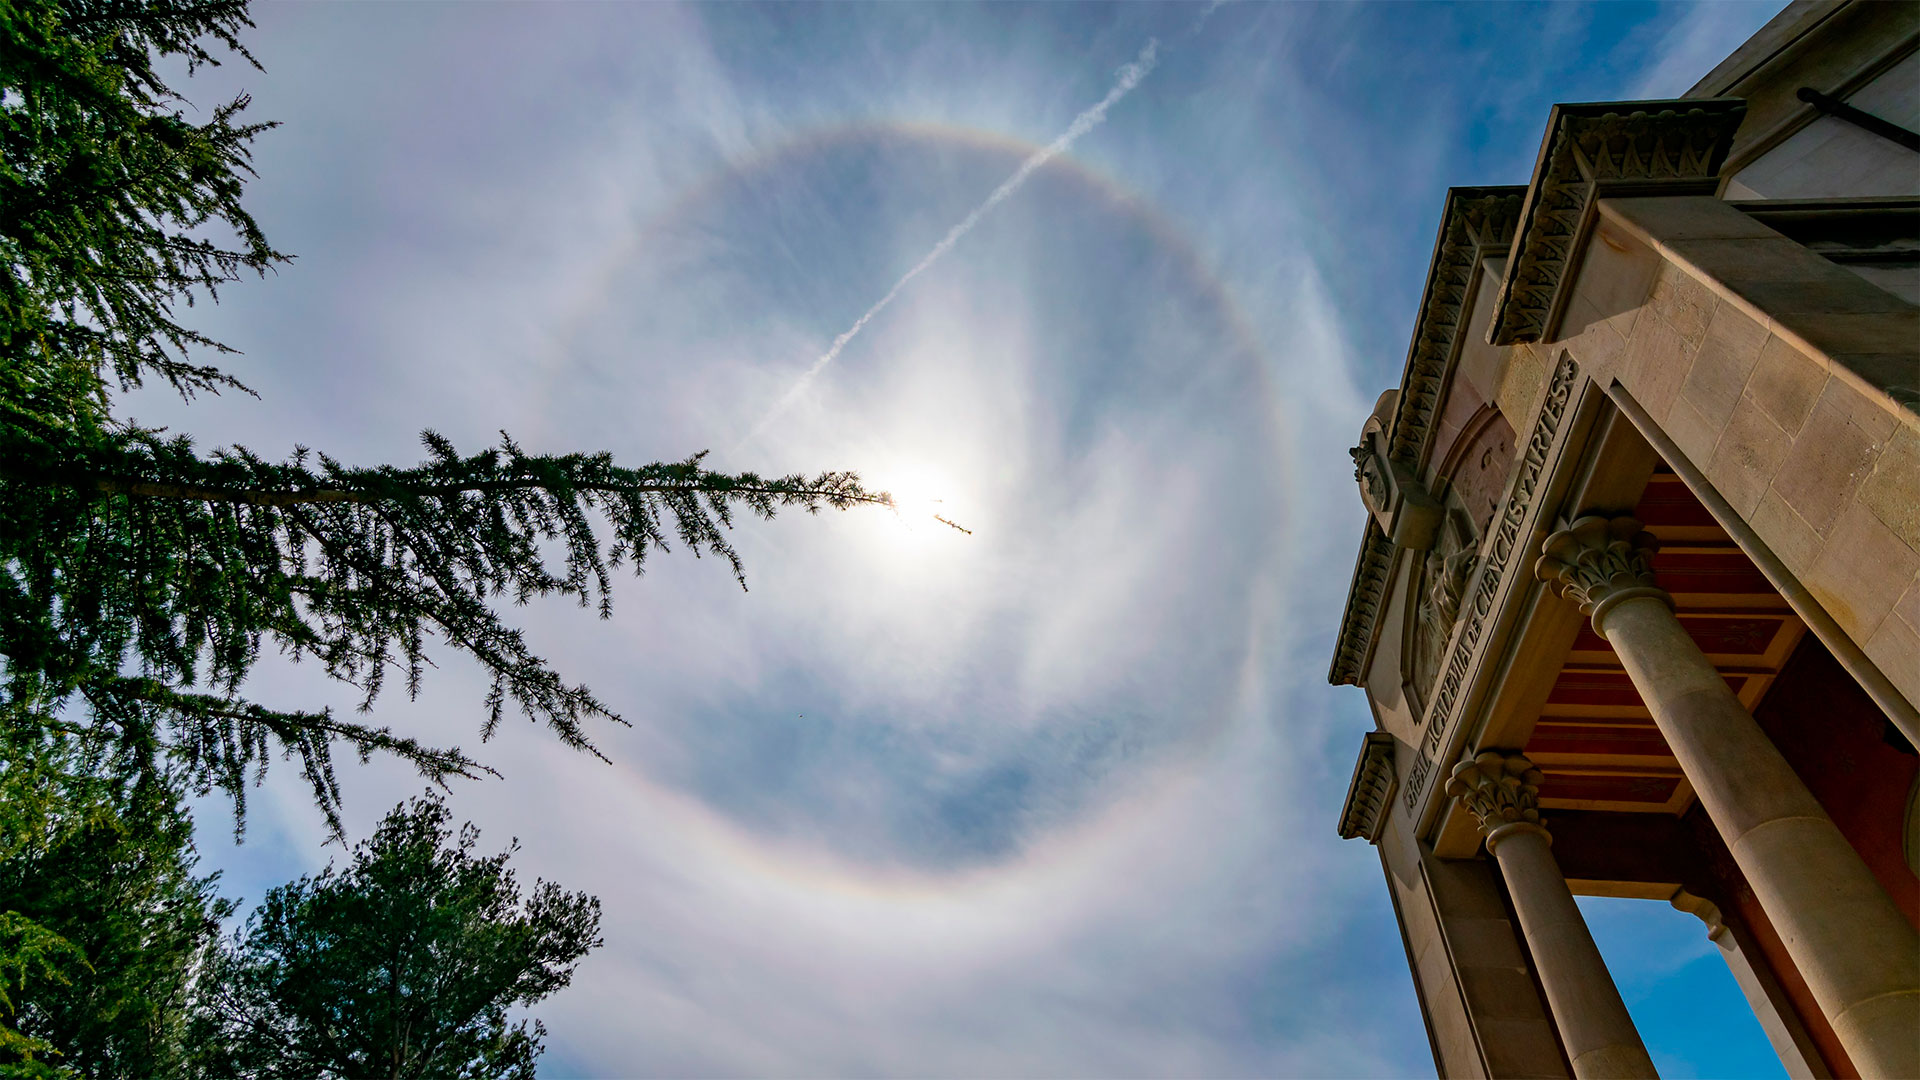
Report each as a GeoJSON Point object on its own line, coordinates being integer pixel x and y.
{"type": "Point", "coordinates": [1591, 152]}
{"type": "Point", "coordinates": [1371, 792]}
{"type": "Point", "coordinates": [1476, 223]}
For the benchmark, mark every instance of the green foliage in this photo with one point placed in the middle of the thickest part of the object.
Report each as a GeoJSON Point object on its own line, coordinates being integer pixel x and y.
{"type": "Point", "coordinates": [30, 954]}
{"type": "Point", "coordinates": [404, 964]}
{"type": "Point", "coordinates": [102, 920]}
{"type": "Point", "coordinates": [140, 550]}
{"type": "Point", "coordinates": [140, 579]}
{"type": "Point", "coordinates": [113, 201]}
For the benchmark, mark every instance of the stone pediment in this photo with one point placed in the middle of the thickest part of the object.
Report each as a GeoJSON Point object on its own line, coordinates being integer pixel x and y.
{"type": "Point", "coordinates": [1476, 223]}
{"type": "Point", "coordinates": [1590, 152]}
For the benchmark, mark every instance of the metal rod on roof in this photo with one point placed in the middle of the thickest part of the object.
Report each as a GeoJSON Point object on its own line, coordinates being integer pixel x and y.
{"type": "Point", "coordinates": [1840, 110]}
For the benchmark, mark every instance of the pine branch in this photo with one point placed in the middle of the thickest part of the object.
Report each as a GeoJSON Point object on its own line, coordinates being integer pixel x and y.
{"type": "Point", "coordinates": [218, 737]}
{"type": "Point", "coordinates": [126, 551]}
{"type": "Point", "coordinates": [149, 489]}
{"type": "Point", "coordinates": [144, 579]}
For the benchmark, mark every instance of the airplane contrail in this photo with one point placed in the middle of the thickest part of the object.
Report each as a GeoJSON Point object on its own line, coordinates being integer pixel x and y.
{"type": "Point", "coordinates": [1125, 80]}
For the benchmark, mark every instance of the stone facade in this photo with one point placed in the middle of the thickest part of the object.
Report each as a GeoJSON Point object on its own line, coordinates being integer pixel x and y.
{"type": "Point", "coordinates": [1651, 476]}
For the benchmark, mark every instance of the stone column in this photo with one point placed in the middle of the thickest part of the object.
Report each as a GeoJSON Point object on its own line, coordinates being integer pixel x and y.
{"type": "Point", "coordinates": [1858, 954]}
{"type": "Point", "coordinates": [1502, 791]}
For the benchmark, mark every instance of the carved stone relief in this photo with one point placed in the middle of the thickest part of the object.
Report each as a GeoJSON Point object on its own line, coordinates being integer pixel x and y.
{"type": "Point", "coordinates": [1477, 468]}
{"type": "Point", "coordinates": [1472, 477]}
{"type": "Point", "coordinates": [1592, 151]}
{"type": "Point", "coordinates": [1370, 472]}
{"type": "Point", "coordinates": [1448, 569]}
{"type": "Point", "coordinates": [1506, 535]}
{"type": "Point", "coordinates": [1398, 501]}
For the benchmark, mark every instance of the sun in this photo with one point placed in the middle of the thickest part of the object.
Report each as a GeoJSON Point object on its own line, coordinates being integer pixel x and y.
{"type": "Point", "coordinates": [922, 510]}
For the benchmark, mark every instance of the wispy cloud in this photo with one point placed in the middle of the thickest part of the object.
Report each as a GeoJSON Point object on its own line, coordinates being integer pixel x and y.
{"type": "Point", "coordinates": [1128, 77]}
{"type": "Point", "coordinates": [1699, 39]}
{"type": "Point", "coordinates": [1054, 799]}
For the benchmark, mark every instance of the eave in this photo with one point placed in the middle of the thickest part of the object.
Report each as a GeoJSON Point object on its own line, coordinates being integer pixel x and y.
{"type": "Point", "coordinates": [1475, 223]}
{"type": "Point", "coordinates": [1594, 151]}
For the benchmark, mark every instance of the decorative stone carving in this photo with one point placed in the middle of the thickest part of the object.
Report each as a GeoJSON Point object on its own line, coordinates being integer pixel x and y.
{"type": "Point", "coordinates": [1507, 530]}
{"type": "Point", "coordinates": [1370, 473]}
{"type": "Point", "coordinates": [1593, 152]}
{"type": "Point", "coordinates": [1448, 570]}
{"type": "Point", "coordinates": [1371, 793]}
{"type": "Point", "coordinates": [1478, 460]}
{"type": "Point", "coordinates": [1476, 223]}
{"type": "Point", "coordinates": [1406, 511]}
{"type": "Point", "coordinates": [1599, 561]}
{"type": "Point", "coordinates": [1370, 573]}
{"type": "Point", "coordinates": [1502, 790]}
{"type": "Point", "coordinates": [1404, 516]}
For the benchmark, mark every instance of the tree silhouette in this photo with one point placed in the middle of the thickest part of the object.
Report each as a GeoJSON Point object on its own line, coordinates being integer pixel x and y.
{"type": "Point", "coordinates": [103, 921]}
{"type": "Point", "coordinates": [141, 578]}
{"type": "Point", "coordinates": [403, 964]}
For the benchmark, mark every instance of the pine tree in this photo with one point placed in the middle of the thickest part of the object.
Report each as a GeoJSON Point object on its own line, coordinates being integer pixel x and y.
{"type": "Point", "coordinates": [103, 920]}
{"type": "Point", "coordinates": [403, 964]}
{"type": "Point", "coordinates": [141, 578]}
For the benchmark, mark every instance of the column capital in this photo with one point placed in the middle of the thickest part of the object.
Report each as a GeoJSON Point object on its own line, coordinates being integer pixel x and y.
{"type": "Point", "coordinates": [1599, 561]}
{"type": "Point", "coordinates": [1502, 789]}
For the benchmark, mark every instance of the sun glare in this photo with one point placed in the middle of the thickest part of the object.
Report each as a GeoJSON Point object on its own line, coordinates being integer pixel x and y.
{"type": "Point", "coordinates": [922, 509]}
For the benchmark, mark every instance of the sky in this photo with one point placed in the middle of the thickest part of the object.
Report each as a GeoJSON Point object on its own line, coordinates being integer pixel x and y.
{"type": "Point", "coordinates": [1117, 285]}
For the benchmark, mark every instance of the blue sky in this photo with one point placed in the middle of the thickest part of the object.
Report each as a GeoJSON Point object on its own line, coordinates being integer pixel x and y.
{"type": "Point", "coordinates": [1055, 798]}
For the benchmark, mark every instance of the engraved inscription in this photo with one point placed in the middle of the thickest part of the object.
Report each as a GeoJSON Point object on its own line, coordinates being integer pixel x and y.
{"type": "Point", "coordinates": [1506, 538]}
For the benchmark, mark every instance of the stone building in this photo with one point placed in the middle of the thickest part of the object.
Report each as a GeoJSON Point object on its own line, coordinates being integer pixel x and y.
{"type": "Point", "coordinates": [1637, 603]}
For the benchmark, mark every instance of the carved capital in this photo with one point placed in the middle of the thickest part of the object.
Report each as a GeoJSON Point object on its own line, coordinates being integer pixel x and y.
{"type": "Point", "coordinates": [1599, 561]}
{"type": "Point", "coordinates": [1503, 792]}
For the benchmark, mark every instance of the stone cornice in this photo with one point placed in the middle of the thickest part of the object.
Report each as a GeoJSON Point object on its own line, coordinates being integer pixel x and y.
{"type": "Point", "coordinates": [1364, 597]}
{"type": "Point", "coordinates": [1475, 223]}
{"type": "Point", "coordinates": [1591, 151]}
{"type": "Point", "coordinates": [1371, 791]}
